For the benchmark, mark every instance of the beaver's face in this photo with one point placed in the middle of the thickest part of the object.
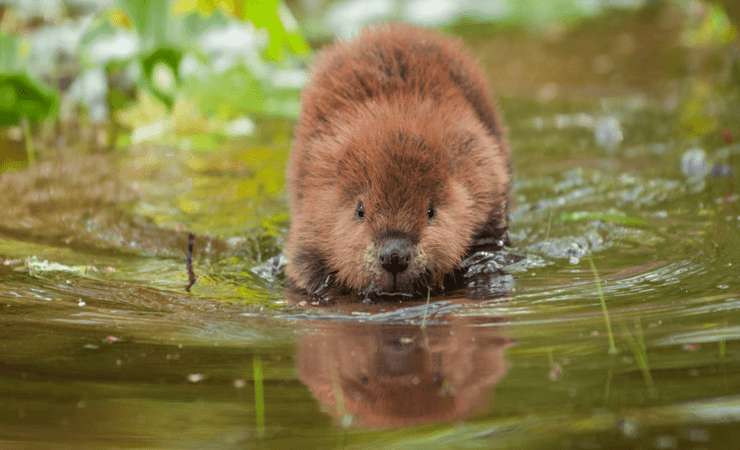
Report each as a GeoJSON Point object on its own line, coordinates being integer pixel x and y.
{"type": "Point", "coordinates": [403, 220]}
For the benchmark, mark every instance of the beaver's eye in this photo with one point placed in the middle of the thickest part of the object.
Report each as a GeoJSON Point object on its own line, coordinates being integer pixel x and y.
{"type": "Point", "coordinates": [431, 212]}
{"type": "Point", "coordinates": [360, 211]}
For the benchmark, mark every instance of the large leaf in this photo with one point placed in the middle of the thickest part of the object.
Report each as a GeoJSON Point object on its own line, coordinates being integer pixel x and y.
{"type": "Point", "coordinates": [161, 73]}
{"type": "Point", "coordinates": [22, 97]}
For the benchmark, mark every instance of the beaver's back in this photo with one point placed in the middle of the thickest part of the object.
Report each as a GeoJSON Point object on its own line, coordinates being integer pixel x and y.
{"type": "Point", "coordinates": [387, 61]}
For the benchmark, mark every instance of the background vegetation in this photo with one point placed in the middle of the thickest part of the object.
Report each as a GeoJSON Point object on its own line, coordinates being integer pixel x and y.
{"type": "Point", "coordinates": [100, 75]}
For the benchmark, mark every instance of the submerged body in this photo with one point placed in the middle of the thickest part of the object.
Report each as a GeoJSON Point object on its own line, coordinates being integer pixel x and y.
{"type": "Point", "coordinates": [400, 165]}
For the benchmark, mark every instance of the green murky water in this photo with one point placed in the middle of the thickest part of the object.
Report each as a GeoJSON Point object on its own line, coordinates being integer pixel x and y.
{"type": "Point", "coordinates": [101, 347]}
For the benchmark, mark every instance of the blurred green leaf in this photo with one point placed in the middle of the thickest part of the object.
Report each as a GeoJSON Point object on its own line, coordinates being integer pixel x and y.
{"type": "Point", "coordinates": [276, 18]}
{"type": "Point", "coordinates": [694, 113]}
{"type": "Point", "coordinates": [161, 73]}
{"type": "Point", "coordinates": [271, 15]}
{"type": "Point", "coordinates": [22, 97]}
{"type": "Point", "coordinates": [714, 28]}
{"type": "Point", "coordinates": [228, 95]}
{"type": "Point", "coordinates": [12, 59]}
{"type": "Point", "coordinates": [203, 142]}
{"type": "Point", "coordinates": [154, 23]}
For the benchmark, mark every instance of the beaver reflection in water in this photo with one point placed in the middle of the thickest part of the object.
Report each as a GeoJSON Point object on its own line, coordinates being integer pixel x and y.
{"type": "Point", "coordinates": [399, 375]}
{"type": "Point", "coordinates": [399, 168]}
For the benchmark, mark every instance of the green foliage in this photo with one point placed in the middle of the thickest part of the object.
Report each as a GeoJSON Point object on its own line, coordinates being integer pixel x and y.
{"type": "Point", "coordinates": [275, 18]}
{"type": "Point", "coordinates": [714, 28]}
{"type": "Point", "coordinates": [11, 58]}
{"type": "Point", "coordinates": [153, 22]}
{"type": "Point", "coordinates": [270, 15]}
{"type": "Point", "coordinates": [163, 70]}
{"type": "Point", "coordinates": [224, 94]}
{"type": "Point", "coordinates": [20, 95]}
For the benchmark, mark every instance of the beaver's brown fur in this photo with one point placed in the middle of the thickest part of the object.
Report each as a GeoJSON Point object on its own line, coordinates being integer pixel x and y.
{"type": "Point", "coordinates": [400, 164]}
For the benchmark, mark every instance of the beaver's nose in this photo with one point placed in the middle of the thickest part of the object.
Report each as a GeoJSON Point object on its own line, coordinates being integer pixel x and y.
{"type": "Point", "coordinates": [395, 255]}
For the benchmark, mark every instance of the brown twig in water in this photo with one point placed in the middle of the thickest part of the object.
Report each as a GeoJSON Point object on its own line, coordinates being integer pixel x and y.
{"type": "Point", "coordinates": [728, 139]}
{"type": "Point", "coordinates": [189, 262]}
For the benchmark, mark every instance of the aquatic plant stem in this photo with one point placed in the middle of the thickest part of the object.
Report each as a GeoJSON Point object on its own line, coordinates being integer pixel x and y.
{"type": "Point", "coordinates": [549, 222]}
{"type": "Point", "coordinates": [612, 347]}
{"type": "Point", "coordinates": [424, 320]}
{"type": "Point", "coordinates": [609, 374]}
{"type": "Point", "coordinates": [259, 396]}
{"type": "Point", "coordinates": [28, 138]}
{"type": "Point", "coordinates": [640, 352]}
{"type": "Point", "coordinates": [189, 262]}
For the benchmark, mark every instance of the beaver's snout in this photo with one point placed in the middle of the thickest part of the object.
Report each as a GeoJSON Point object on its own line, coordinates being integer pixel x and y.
{"type": "Point", "coordinates": [395, 253]}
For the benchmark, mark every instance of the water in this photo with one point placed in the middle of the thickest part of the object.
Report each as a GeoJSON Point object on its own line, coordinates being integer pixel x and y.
{"type": "Point", "coordinates": [100, 346]}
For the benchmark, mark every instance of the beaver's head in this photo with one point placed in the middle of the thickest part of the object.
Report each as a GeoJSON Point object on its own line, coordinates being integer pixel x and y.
{"type": "Point", "coordinates": [402, 220]}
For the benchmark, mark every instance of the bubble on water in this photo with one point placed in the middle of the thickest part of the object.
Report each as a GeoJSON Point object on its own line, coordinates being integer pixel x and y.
{"type": "Point", "coordinates": [665, 442]}
{"type": "Point", "coordinates": [629, 428]}
{"type": "Point", "coordinates": [722, 171]}
{"type": "Point", "coordinates": [658, 149]}
{"type": "Point", "coordinates": [608, 133]}
{"type": "Point", "coordinates": [694, 163]}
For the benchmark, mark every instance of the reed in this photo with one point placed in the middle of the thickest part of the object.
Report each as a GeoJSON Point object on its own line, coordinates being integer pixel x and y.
{"type": "Point", "coordinates": [28, 139]}
{"type": "Point", "coordinates": [612, 348]}
{"type": "Point", "coordinates": [259, 396]}
{"type": "Point", "coordinates": [426, 310]}
{"type": "Point", "coordinates": [639, 350]}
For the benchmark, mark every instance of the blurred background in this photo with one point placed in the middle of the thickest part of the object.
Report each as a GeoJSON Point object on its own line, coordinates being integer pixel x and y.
{"type": "Point", "coordinates": [103, 75]}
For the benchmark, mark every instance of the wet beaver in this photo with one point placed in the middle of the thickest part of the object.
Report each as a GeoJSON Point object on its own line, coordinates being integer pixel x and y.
{"type": "Point", "coordinates": [399, 168]}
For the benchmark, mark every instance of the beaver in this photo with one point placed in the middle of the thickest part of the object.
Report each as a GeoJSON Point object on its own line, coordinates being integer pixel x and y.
{"type": "Point", "coordinates": [400, 165]}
